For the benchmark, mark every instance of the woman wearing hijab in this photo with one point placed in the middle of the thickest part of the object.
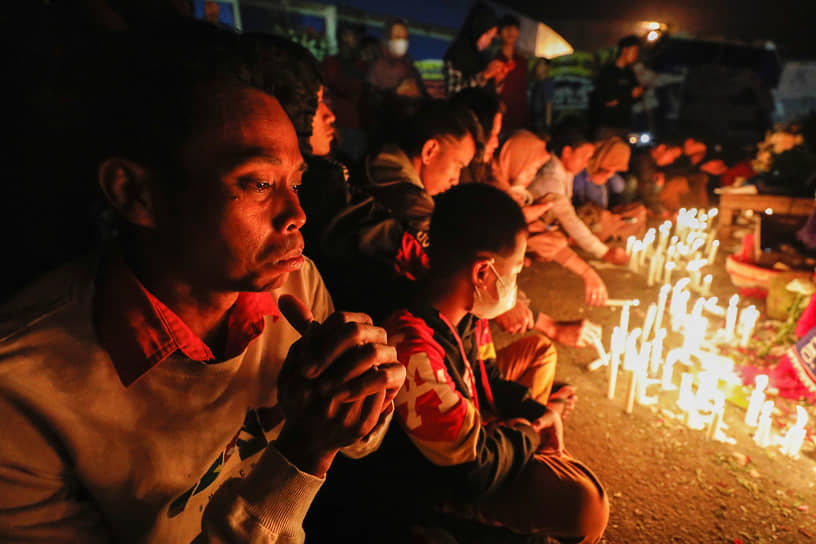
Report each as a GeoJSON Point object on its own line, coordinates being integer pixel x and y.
{"type": "Point", "coordinates": [515, 167]}
{"type": "Point", "coordinates": [465, 66]}
{"type": "Point", "coordinates": [591, 193]}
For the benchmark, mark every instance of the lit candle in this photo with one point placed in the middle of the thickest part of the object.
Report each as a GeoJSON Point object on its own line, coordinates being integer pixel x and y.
{"type": "Point", "coordinates": [679, 310]}
{"type": "Point", "coordinates": [712, 252]}
{"type": "Point", "coordinates": [662, 296]}
{"type": "Point", "coordinates": [618, 342]}
{"type": "Point", "coordinates": [634, 259]}
{"type": "Point", "coordinates": [668, 369]}
{"type": "Point", "coordinates": [622, 302]}
{"type": "Point", "coordinates": [668, 271]}
{"type": "Point", "coordinates": [763, 436]}
{"type": "Point", "coordinates": [695, 333]}
{"type": "Point", "coordinates": [631, 392]}
{"type": "Point", "coordinates": [705, 288]}
{"type": "Point", "coordinates": [707, 387]}
{"type": "Point", "coordinates": [648, 240]}
{"type": "Point", "coordinates": [630, 243]}
{"type": "Point", "coordinates": [657, 351]}
{"type": "Point", "coordinates": [747, 323]}
{"type": "Point", "coordinates": [659, 260]}
{"type": "Point", "coordinates": [643, 375]}
{"type": "Point", "coordinates": [685, 399]}
{"type": "Point", "coordinates": [697, 309]}
{"type": "Point", "coordinates": [795, 436]}
{"type": "Point", "coordinates": [717, 416]}
{"type": "Point", "coordinates": [710, 240]}
{"type": "Point", "coordinates": [731, 318]}
{"type": "Point", "coordinates": [651, 313]}
{"type": "Point", "coordinates": [650, 277]}
{"type": "Point", "coordinates": [624, 322]}
{"type": "Point", "coordinates": [631, 351]}
{"type": "Point", "coordinates": [757, 398]}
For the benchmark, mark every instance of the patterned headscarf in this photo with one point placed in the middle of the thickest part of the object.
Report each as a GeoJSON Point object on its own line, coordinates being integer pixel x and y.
{"type": "Point", "coordinates": [611, 154]}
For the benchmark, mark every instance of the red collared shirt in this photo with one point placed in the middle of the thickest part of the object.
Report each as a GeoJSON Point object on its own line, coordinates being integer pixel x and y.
{"type": "Point", "coordinates": [139, 331]}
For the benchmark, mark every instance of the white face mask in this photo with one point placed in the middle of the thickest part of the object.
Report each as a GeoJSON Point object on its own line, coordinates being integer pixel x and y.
{"type": "Point", "coordinates": [398, 47]}
{"type": "Point", "coordinates": [485, 307]}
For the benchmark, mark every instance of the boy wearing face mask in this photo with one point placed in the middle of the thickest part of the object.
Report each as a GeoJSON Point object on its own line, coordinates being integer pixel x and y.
{"type": "Point", "coordinates": [469, 442]}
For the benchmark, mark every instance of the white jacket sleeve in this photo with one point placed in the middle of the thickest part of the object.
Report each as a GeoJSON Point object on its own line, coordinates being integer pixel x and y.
{"type": "Point", "coordinates": [563, 210]}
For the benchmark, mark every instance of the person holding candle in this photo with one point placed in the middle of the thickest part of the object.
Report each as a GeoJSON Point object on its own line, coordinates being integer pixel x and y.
{"type": "Point", "coordinates": [572, 151]}
{"type": "Point", "coordinates": [470, 444]}
{"type": "Point", "coordinates": [521, 156]}
{"type": "Point", "coordinates": [591, 193]}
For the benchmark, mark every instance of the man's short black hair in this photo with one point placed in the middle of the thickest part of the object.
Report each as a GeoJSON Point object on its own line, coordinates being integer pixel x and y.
{"type": "Point", "coordinates": [153, 90]}
{"type": "Point", "coordinates": [629, 41]}
{"type": "Point", "coordinates": [438, 119]}
{"type": "Point", "coordinates": [570, 132]}
{"type": "Point", "coordinates": [291, 74]}
{"type": "Point", "coordinates": [470, 220]}
{"type": "Point", "coordinates": [509, 20]}
{"type": "Point", "coordinates": [484, 104]}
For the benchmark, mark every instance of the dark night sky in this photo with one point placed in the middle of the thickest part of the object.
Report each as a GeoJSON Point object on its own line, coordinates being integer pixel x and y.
{"type": "Point", "coordinates": [788, 23]}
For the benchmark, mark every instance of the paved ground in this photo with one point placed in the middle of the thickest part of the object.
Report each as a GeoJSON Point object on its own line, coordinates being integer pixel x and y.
{"type": "Point", "coordinates": [668, 483]}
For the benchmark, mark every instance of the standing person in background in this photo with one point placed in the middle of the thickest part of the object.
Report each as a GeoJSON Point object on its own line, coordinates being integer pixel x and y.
{"type": "Point", "coordinates": [541, 97]}
{"type": "Point", "coordinates": [344, 76]}
{"type": "Point", "coordinates": [465, 65]}
{"type": "Point", "coordinates": [616, 90]}
{"type": "Point", "coordinates": [513, 90]}
{"type": "Point", "coordinates": [393, 76]}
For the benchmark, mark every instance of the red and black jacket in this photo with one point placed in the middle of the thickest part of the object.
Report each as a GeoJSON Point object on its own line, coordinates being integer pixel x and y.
{"type": "Point", "coordinates": [453, 407]}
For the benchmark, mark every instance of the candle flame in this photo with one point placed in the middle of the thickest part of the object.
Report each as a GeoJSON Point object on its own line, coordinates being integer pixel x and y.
{"type": "Point", "coordinates": [761, 382]}
{"type": "Point", "coordinates": [801, 417]}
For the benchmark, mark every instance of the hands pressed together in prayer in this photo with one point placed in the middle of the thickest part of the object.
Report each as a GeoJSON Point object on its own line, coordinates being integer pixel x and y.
{"type": "Point", "coordinates": [336, 385]}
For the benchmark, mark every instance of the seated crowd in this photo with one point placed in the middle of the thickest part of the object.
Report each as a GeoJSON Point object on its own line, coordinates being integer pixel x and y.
{"type": "Point", "coordinates": [189, 379]}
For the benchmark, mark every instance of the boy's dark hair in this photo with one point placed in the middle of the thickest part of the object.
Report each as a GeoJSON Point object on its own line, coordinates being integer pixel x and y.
{"type": "Point", "coordinates": [438, 119]}
{"type": "Point", "coordinates": [628, 41]}
{"type": "Point", "coordinates": [460, 230]}
{"type": "Point", "coordinates": [509, 20]}
{"type": "Point", "coordinates": [570, 132]}
{"type": "Point", "coordinates": [291, 74]}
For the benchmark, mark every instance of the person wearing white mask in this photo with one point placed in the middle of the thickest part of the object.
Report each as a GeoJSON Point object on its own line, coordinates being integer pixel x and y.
{"type": "Point", "coordinates": [393, 74]}
{"type": "Point", "coordinates": [478, 442]}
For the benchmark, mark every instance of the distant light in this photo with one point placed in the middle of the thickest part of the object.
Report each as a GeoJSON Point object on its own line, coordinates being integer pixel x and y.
{"type": "Point", "coordinates": [768, 211]}
{"type": "Point", "coordinates": [645, 138]}
{"type": "Point", "coordinates": [652, 36]}
{"type": "Point", "coordinates": [633, 139]}
{"type": "Point", "coordinates": [652, 25]}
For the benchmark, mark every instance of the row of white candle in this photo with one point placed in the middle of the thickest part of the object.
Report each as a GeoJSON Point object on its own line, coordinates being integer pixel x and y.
{"type": "Point", "coordinates": [759, 414]}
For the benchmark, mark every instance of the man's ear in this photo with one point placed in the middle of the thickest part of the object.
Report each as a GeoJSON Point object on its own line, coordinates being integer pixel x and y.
{"type": "Point", "coordinates": [429, 150]}
{"type": "Point", "coordinates": [127, 188]}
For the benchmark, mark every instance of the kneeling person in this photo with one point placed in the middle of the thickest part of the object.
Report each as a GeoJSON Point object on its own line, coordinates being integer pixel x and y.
{"type": "Point", "coordinates": [483, 447]}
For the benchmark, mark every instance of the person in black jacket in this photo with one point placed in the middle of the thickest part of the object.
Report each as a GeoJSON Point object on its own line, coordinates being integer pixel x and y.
{"type": "Point", "coordinates": [616, 90]}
